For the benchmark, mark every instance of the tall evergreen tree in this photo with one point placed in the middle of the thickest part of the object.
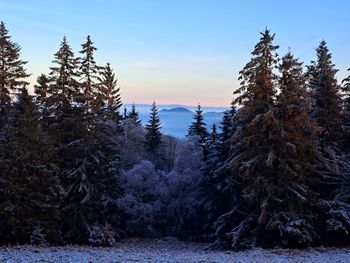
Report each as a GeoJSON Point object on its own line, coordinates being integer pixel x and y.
{"type": "Point", "coordinates": [228, 128]}
{"type": "Point", "coordinates": [153, 137]}
{"type": "Point", "coordinates": [108, 98]}
{"type": "Point", "coordinates": [213, 199]}
{"type": "Point", "coordinates": [326, 94]}
{"type": "Point", "coordinates": [88, 71]}
{"type": "Point", "coordinates": [12, 71]}
{"type": "Point", "coordinates": [86, 151]}
{"type": "Point", "coordinates": [213, 134]}
{"type": "Point", "coordinates": [40, 90]}
{"type": "Point", "coordinates": [249, 168]}
{"type": "Point", "coordinates": [346, 111]}
{"type": "Point", "coordinates": [134, 115]}
{"type": "Point", "coordinates": [64, 89]}
{"type": "Point", "coordinates": [30, 210]}
{"type": "Point", "coordinates": [197, 127]}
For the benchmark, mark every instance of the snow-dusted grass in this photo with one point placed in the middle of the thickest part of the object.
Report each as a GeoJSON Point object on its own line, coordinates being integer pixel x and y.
{"type": "Point", "coordinates": [166, 250]}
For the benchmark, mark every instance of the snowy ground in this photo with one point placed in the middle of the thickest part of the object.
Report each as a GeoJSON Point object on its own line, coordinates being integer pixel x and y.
{"type": "Point", "coordinates": [166, 250]}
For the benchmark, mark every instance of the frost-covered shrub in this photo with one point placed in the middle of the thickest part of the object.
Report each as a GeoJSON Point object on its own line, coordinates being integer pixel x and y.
{"type": "Point", "coordinates": [131, 141]}
{"type": "Point", "coordinates": [183, 185]}
{"type": "Point", "coordinates": [144, 198]}
{"type": "Point", "coordinates": [38, 236]}
{"type": "Point", "coordinates": [102, 236]}
{"type": "Point", "coordinates": [157, 202]}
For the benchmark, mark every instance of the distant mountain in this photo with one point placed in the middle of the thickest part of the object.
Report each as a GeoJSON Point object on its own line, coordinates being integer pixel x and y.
{"type": "Point", "coordinates": [212, 114]}
{"type": "Point", "coordinates": [177, 109]}
{"type": "Point", "coordinates": [176, 119]}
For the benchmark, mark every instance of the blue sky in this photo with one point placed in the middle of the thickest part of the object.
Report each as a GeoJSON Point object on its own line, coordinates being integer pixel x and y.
{"type": "Point", "coordinates": [182, 52]}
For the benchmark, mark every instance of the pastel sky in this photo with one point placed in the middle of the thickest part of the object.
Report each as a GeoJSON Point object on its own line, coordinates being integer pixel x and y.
{"type": "Point", "coordinates": [179, 52]}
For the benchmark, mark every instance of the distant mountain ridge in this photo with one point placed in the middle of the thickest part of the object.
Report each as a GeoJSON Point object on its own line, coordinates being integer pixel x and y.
{"type": "Point", "coordinates": [176, 109]}
{"type": "Point", "coordinates": [176, 119]}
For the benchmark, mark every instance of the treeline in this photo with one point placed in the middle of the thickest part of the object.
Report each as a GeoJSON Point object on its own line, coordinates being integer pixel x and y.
{"type": "Point", "coordinates": [75, 170]}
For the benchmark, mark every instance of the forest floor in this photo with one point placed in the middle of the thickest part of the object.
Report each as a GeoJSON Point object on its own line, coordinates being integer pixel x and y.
{"type": "Point", "coordinates": [166, 250]}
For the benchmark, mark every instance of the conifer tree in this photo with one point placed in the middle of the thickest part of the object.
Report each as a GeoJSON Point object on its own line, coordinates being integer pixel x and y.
{"type": "Point", "coordinates": [40, 90]}
{"type": "Point", "coordinates": [346, 112]}
{"type": "Point", "coordinates": [249, 168]}
{"type": "Point", "coordinates": [197, 127]}
{"type": "Point", "coordinates": [212, 199]}
{"type": "Point", "coordinates": [33, 192]}
{"type": "Point", "coordinates": [64, 89]}
{"type": "Point", "coordinates": [325, 92]}
{"type": "Point", "coordinates": [213, 133]}
{"type": "Point", "coordinates": [134, 115]}
{"type": "Point", "coordinates": [228, 128]}
{"type": "Point", "coordinates": [153, 137]}
{"type": "Point", "coordinates": [12, 71]}
{"type": "Point", "coordinates": [87, 153]}
{"type": "Point", "coordinates": [108, 97]}
{"type": "Point", "coordinates": [88, 71]}
{"type": "Point", "coordinates": [333, 166]}
{"type": "Point", "coordinates": [125, 113]}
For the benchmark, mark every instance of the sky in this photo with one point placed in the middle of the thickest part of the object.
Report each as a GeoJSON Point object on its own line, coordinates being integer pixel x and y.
{"type": "Point", "coordinates": [176, 52]}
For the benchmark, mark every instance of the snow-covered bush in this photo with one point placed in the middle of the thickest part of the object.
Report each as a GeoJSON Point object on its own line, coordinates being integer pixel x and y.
{"type": "Point", "coordinates": [102, 236]}
{"type": "Point", "coordinates": [156, 202]}
{"type": "Point", "coordinates": [183, 185]}
{"type": "Point", "coordinates": [144, 198]}
{"type": "Point", "coordinates": [131, 141]}
{"type": "Point", "coordinates": [38, 237]}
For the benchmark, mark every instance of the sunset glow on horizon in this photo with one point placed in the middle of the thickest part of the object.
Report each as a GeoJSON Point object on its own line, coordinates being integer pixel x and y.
{"type": "Point", "coordinates": [176, 52]}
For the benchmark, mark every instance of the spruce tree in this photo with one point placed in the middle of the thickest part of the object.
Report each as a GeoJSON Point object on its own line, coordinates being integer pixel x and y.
{"type": "Point", "coordinates": [134, 115]}
{"type": "Point", "coordinates": [40, 90]}
{"type": "Point", "coordinates": [88, 71]}
{"type": "Point", "coordinates": [64, 89]}
{"type": "Point", "coordinates": [12, 71]}
{"type": "Point", "coordinates": [326, 95]}
{"type": "Point", "coordinates": [197, 127]}
{"type": "Point", "coordinates": [228, 128]}
{"type": "Point", "coordinates": [333, 166]}
{"type": "Point", "coordinates": [87, 153]}
{"type": "Point", "coordinates": [153, 137]}
{"type": "Point", "coordinates": [213, 199]}
{"type": "Point", "coordinates": [33, 192]}
{"type": "Point", "coordinates": [346, 112]}
{"type": "Point", "coordinates": [108, 96]}
{"type": "Point", "coordinates": [213, 134]}
{"type": "Point", "coordinates": [249, 169]}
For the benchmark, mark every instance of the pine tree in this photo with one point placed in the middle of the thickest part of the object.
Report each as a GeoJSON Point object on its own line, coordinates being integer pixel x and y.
{"type": "Point", "coordinates": [333, 166]}
{"type": "Point", "coordinates": [197, 127]}
{"type": "Point", "coordinates": [212, 200]}
{"type": "Point", "coordinates": [88, 71]}
{"type": "Point", "coordinates": [213, 134]}
{"type": "Point", "coordinates": [287, 213]}
{"type": "Point", "coordinates": [325, 92]}
{"type": "Point", "coordinates": [32, 186]}
{"type": "Point", "coordinates": [228, 128]}
{"type": "Point", "coordinates": [40, 91]}
{"type": "Point", "coordinates": [134, 115]}
{"type": "Point", "coordinates": [108, 98]}
{"type": "Point", "coordinates": [346, 112]}
{"type": "Point", "coordinates": [12, 71]}
{"type": "Point", "coordinates": [64, 89]}
{"type": "Point", "coordinates": [87, 153]}
{"type": "Point", "coordinates": [153, 137]}
{"type": "Point", "coordinates": [249, 168]}
{"type": "Point", "coordinates": [125, 113]}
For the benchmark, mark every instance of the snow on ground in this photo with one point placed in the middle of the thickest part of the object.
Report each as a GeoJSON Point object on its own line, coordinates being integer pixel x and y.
{"type": "Point", "coordinates": [166, 250]}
